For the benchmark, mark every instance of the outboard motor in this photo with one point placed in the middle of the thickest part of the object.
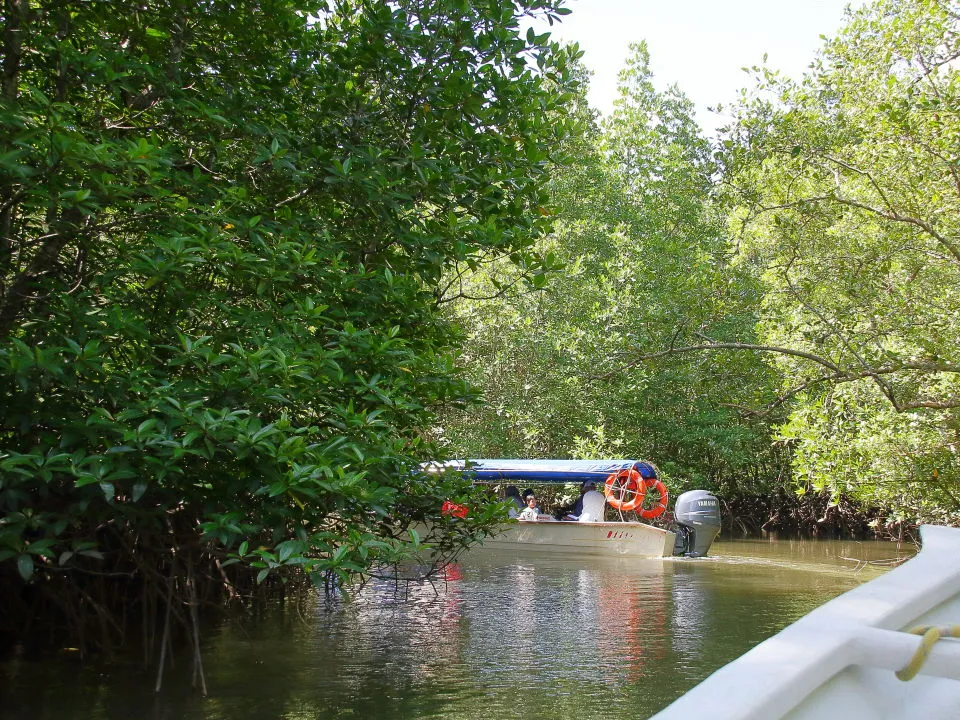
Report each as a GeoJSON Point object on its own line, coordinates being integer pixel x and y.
{"type": "Point", "coordinates": [697, 518]}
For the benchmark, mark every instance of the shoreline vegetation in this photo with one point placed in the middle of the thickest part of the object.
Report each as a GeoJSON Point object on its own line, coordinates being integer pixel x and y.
{"type": "Point", "coordinates": [811, 516]}
{"type": "Point", "coordinates": [259, 261]}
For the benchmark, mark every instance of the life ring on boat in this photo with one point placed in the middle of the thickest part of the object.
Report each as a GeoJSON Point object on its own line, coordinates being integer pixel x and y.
{"type": "Point", "coordinates": [658, 509]}
{"type": "Point", "coordinates": [625, 490]}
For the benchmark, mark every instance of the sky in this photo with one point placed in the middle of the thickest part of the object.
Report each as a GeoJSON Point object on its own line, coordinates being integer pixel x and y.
{"type": "Point", "coordinates": [701, 45]}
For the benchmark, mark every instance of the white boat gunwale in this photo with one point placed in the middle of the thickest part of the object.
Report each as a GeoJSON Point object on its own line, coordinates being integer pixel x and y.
{"type": "Point", "coordinates": [843, 655]}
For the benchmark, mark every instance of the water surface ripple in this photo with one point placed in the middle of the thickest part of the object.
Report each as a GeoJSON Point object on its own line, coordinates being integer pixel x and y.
{"type": "Point", "coordinates": [504, 635]}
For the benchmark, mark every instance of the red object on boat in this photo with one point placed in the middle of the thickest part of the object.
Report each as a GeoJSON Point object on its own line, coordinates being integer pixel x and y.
{"type": "Point", "coordinates": [449, 508]}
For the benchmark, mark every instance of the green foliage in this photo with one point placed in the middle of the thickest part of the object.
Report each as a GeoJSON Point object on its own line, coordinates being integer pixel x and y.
{"type": "Point", "coordinates": [822, 292]}
{"type": "Point", "coordinates": [845, 188]}
{"type": "Point", "coordinates": [221, 231]}
{"type": "Point", "coordinates": [643, 260]}
{"type": "Point", "coordinates": [902, 463]}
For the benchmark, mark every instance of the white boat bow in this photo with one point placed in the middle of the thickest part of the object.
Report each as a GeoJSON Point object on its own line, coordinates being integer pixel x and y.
{"type": "Point", "coordinates": [840, 661]}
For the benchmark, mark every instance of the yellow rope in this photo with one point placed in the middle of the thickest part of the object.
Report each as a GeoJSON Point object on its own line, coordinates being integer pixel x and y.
{"type": "Point", "coordinates": [931, 634]}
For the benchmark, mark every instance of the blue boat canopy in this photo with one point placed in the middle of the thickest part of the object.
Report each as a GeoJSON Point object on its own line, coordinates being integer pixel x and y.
{"type": "Point", "coordinates": [542, 471]}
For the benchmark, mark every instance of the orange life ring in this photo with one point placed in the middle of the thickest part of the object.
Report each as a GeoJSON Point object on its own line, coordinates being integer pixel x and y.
{"type": "Point", "coordinates": [621, 484]}
{"type": "Point", "coordinates": [658, 509]}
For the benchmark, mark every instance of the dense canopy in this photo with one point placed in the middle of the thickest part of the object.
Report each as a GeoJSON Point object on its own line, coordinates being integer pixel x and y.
{"type": "Point", "coordinates": [222, 233]}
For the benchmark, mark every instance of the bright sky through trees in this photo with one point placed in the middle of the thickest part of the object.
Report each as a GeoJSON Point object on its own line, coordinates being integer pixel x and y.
{"type": "Point", "coordinates": [702, 45]}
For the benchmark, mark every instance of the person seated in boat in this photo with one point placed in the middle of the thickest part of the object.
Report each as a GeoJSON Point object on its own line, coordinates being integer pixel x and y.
{"type": "Point", "coordinates": [575, 510]}
{"type": "Point", "coordinates": [513, 496]}
{"type": "Point", "coordinates": [531, 511]}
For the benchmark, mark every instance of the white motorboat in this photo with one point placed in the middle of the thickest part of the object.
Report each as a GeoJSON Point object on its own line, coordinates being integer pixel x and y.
{"type": "Point", "coordinates": [696, 517]}
{"type": "Point", "coordinates": [887, 649]}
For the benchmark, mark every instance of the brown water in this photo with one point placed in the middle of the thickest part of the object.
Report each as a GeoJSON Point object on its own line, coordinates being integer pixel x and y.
{"type": "Point", "coordinates": [503, 636]}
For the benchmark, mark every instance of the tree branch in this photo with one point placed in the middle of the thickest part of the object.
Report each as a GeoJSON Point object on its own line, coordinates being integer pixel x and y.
{"type": "Point", "coordinates": [891, 213]}
{"type": "Point", "coordinates": [15, 12]}
{"type": "Point", "coordinates": [837, 375]}
{"type": "Point", "coordinates": [724, 346]}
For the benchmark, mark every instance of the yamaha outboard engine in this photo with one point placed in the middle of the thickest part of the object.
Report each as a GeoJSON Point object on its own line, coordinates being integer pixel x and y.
{"type": "Point", "coordinates": [697, 516]}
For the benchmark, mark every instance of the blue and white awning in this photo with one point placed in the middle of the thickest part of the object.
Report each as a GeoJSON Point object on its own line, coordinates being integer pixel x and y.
{"type": "Point", "coordinates": [542, 471]}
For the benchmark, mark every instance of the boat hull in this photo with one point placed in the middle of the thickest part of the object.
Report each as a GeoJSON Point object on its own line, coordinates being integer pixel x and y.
{"type": "Point", "coordinates": [841, 659]}
{"type": "Point", "coordinates": [612, 539]}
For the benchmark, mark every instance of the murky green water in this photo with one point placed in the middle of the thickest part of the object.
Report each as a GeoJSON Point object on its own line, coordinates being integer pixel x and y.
{"type": "Point", "coordinates": [504, 636]}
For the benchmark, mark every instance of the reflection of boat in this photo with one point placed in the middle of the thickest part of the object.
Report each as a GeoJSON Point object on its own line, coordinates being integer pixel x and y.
{"type": "Point", "coordinates": [625, 482]}
{"type": "Point", "coordinates": [600, 626]}
{"type": "Point", "coordinates": [855, 657]}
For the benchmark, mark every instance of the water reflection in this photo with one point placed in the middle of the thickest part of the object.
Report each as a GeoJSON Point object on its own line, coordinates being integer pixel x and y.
{"type": "Point", "coordinates": [633, 617]}
{"type": "Point", "coordinates": [501, 635]}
